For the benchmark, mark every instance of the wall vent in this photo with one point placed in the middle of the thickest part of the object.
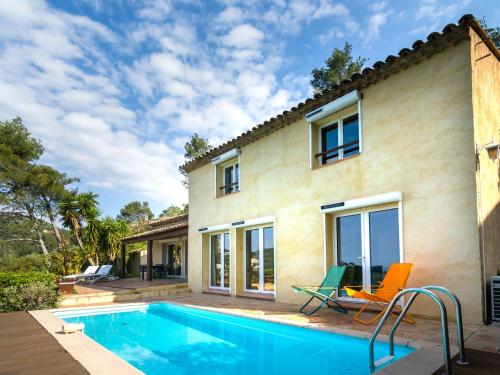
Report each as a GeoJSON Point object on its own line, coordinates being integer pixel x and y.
{"type": "Point", "coordinates": [495, 298]}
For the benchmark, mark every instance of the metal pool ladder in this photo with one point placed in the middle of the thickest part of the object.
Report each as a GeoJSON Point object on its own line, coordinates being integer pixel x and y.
{"type": "Point", "coordinates": [430, 292]}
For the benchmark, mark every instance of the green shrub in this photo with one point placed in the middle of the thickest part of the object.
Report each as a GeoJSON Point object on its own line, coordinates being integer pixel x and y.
{"type": "Point", "coordinates": [35, 295]}
{"type": "Point", "coordinates": [66, 262]}
{"type": "Point", "coordinates": [9, 278]}
{"type": "Point", "coordinates": [30, 262]}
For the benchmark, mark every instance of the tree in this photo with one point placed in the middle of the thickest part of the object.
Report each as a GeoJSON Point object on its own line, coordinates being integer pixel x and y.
{"type": "Point", "coordinates": [30, 189]}
{"type": "Point", "coordinates": [74, 209]}
{"type": "Point", "coordinates": [194, 148]}
{"type": "Point", "coordinates": [174, 210]}
{"type": "Point", "coordinates": [135, 212]}
{"type": "Point", "coordinates": [492, 32]}
{"type": "Point", "coordinates": [50, 185]}
{"type": "Point", "coordinates": [17, 140]}
{"type": "Point", "coordinates": [91, 234]}
{"type": "Point", "coordinates": [18, 150]}
{"type": "Point", "coordinates": [339, 66]}
{"type": "Point", "coordinates": [111, 234]}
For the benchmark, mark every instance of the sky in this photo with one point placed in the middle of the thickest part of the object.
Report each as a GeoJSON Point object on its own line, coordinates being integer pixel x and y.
{"type": "Point", "coordinates": [114, 89]}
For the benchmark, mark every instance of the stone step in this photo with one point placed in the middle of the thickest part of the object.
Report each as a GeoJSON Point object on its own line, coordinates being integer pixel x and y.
{"type": "Point", "coordinates": [124, 295]}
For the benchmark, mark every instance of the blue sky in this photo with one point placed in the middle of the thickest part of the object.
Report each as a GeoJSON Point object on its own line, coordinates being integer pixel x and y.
{"type": "Point", "coordinates": [115, 88]}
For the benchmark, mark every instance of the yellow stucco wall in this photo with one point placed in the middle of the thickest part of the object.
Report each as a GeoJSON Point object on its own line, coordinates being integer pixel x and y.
{"type": "Point", "coordinates": [417, 139]}
{"type": "Point", "coordinates": [486, 104]}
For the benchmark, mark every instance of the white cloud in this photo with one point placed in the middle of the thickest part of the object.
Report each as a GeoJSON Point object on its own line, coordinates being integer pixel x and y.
{"type": "Point", "coordinates": [243, 36]}
{"type": "Point", "coordinates": [378, 18]}
{"type": "Point", "coordinates": [155, 10]}
{"type": "Point", "coordinates": [56, 76]}
{"type": "Point", "coordinates": [115, 106]}
{"type": "Point", "coordinates": [231, 15]}
{"type": "Point", "coordinates": [431, 14]}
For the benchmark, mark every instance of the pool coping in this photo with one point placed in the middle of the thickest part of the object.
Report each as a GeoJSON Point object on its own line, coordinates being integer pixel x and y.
{"type": "Point", "coordinates": [97, 359]}
{"type": "Point", "coordinates": [94, 357]}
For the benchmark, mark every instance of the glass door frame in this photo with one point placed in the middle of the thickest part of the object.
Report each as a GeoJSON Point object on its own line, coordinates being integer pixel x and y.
{"type": "Point", "coordinates": [182, 257]}
{"type": "Point", "coordinates": [221, 248]}
{"type": "Point", "coordinates": [365, 241]}
{"type": "Point", "coordinates": [260, 228]}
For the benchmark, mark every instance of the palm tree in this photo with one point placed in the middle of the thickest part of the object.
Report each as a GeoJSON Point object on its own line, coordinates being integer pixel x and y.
{"type": "Point", "coordinates": [92, 234]}
{"type": "Point", "coordinates": [87, 202]}
{"type": "Point", "coordinates": [75, 208]}
{"type": "Point", "coordinates": [70, 217]}
{"type": "Point", "coordinates": [112, 232]}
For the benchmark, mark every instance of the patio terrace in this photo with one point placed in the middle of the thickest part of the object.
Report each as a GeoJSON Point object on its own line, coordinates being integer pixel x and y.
{"type": "Point", "coordinates": [123, 290]}
{"type": "Point", "coordinates": [132, 283]}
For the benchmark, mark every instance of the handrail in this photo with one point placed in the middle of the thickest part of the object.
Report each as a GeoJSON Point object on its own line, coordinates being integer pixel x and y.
{"type": "Point", "coordinates": [229, 185]}
{"type": "Point", "coordinates": [444, 325]}
{"type": "Point", "coordinates": [458, 311]}
{"type": "Point", "coordinates": [337, 148]}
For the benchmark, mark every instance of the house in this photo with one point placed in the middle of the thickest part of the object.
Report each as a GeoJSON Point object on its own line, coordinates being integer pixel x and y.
{"type": "Point", "coordinates": [398, 164]}
{"type": "Point", "coordinates": [166, 248]}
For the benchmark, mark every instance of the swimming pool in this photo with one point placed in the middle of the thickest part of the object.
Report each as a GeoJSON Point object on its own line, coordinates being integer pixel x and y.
{"type": "Point", "coordinates": [164, 338]}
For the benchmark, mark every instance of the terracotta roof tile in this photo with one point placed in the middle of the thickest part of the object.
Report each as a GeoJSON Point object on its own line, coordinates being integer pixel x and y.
{"type": "Point", "coordinates": [164, 229]}
{"type": "Point", "coordinates": [167, 219]}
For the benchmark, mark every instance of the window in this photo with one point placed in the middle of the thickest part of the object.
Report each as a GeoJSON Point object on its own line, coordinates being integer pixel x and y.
{"type": "Point", "coordinates": [335, 129]}
{"type": "Point", "coordinates": [227, 172]}
{"type": "Point", "coordinates": [259, 260]}
{"type": "Point", "coordinates": [220, 261]}
{"type": "Point", "coordinates": [339, 139]}
{"type": "Point", "coordinates": [231, 179]}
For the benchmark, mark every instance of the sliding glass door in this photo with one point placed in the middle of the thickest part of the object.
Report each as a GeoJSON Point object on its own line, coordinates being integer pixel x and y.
{"type": "Point", "coordinates": [367, 243]}
{"type": "Point", "coordinates": [220, 261]}
{"type": "Point", "coordinates": [259, 259]}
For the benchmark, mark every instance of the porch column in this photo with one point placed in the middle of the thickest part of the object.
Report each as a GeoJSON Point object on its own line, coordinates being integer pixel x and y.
{"type": "Point", "coordinates": [150, 260]}
{"type": "Point", "coordinates": [186, 259]}
{"type": "Point", "coordinates": [123, 265]}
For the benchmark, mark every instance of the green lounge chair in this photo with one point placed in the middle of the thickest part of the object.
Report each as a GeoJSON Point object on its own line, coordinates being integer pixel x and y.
{"type": "Point", "coordinates": [325, 293]}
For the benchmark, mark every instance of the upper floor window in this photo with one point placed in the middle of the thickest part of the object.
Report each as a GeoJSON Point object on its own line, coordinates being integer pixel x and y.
{"type": "Point", "coordinates": [335, 130]}
{"type": "Point", "coordinates": [339, 140]}
{"type": "Point", "coordinates": [231, 179]}
{"type": "Point", "coordinates": [227, 173]}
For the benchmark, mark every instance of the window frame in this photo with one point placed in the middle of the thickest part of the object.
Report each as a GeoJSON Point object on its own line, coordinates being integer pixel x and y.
{"type": "Point", "coordinates": [340, 126]}
{"type": "Point", "coordinates": [221, 286]}
{"type": "Point", "coordinates": [261, 259]}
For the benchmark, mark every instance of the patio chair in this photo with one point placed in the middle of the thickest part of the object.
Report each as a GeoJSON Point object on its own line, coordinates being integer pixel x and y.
{"type": "Point", "coordinates": [394, 281]}
{"type": "Point", "coordinates": [89, 271]}
{"type": "Point", "coordinates": [325, 292]}
{"type": "Point", "coordinates": [103, 273]}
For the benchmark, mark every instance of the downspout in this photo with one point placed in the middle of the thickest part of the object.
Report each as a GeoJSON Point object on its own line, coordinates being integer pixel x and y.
{"type": "Point", "coordinates": [481, 235]}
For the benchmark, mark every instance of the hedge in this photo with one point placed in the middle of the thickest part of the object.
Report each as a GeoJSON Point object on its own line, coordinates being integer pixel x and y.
{"type": "Point", "coordinates": [30, 296]}
{"type": "Point", "coordinates": [9, 278]}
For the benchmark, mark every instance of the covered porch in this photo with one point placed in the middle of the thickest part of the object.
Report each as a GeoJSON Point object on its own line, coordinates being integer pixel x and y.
{"type": "Point", "coordinates": [166, 253]}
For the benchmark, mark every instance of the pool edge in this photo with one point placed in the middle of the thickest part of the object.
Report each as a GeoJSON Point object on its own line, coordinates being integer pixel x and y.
{"type": "Point", "coordinates": [94, 357]}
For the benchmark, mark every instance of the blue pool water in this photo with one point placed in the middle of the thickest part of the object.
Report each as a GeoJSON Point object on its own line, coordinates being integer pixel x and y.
{"type": "Point", "coordinates": [170, 339]}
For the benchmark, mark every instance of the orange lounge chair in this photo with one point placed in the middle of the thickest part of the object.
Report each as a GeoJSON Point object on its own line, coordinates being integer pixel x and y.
{"type": "Point", "coordinates": [394, 281]}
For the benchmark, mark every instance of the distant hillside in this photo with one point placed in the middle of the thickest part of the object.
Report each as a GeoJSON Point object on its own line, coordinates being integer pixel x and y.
{"type": "Point", "coordinates": [18, 238]}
